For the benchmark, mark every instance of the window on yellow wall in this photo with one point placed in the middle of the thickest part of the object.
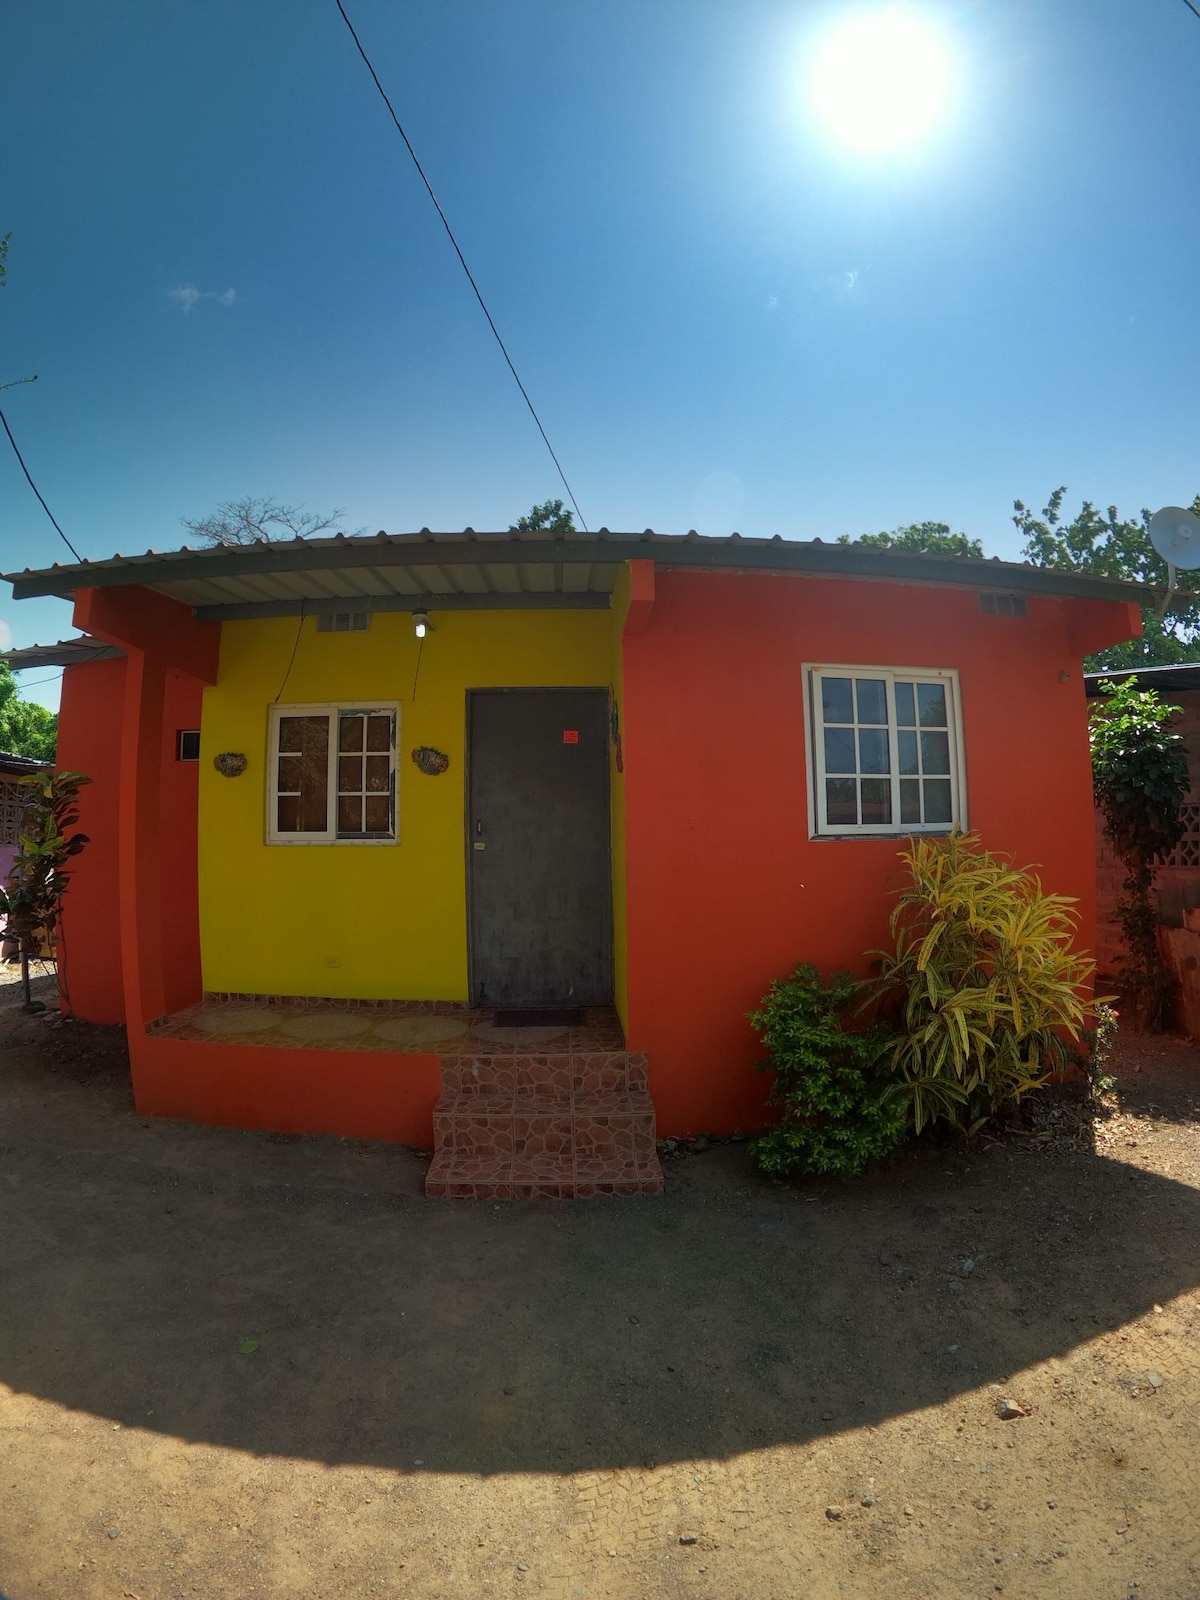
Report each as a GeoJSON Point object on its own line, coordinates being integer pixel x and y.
{"type": "Point", "coordinates": [332, 774]}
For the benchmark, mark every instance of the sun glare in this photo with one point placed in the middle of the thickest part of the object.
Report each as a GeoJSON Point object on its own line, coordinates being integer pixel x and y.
{"type": "Point", "coordinates": [880, 81]}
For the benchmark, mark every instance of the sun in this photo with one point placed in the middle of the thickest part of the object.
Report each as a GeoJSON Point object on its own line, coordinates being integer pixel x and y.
{"type": "Point", "coordinates": [880, 81]}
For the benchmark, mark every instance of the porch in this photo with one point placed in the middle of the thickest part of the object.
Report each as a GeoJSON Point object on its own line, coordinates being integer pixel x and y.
{"type": "Point", "coordinates": [526, 1108]}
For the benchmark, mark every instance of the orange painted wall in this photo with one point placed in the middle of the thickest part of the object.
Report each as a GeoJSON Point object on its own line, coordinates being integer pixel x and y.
{"type": "Point", "coordinates": [89, 741]}
{"type": "Point", "coordinates": [726, 890]}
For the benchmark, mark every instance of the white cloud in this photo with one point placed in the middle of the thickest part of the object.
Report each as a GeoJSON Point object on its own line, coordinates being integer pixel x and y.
{"type": "Point", "coordinates": [6, 635]}
{"type": "Point", "coordinates": [772, 302]}
{"type": "Point", "coordinates": [187, 297]}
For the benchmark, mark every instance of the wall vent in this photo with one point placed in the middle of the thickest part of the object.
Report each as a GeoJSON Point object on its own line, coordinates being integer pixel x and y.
{"type": "Point", "coordinates": [1002, 605]}
{"type": "Point", "coordinates": [343, 621]}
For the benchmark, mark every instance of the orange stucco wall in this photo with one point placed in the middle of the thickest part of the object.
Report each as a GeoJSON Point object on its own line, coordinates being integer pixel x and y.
{"type": "Point", "coordinates": [726, 890]}
{"type": "Point", "coordinates": [89, 741]}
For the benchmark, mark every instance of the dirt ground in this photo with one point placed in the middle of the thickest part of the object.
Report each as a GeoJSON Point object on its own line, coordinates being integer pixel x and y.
{"type": "Point", "coordinates": [741, 1390]}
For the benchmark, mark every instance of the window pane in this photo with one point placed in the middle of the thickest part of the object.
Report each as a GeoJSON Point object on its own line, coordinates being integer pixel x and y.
{"type": "Point", "coordinates": [836, 702]}
{"type": "Point", "coordinates": [379, 813]}
{"type": "Point", "coordinates": [906, 713]}
{"type": "Point", "coordinates": [289, 775]}
{"type": "Point", "coordinates": [839, 749]}
{"type": "Point", "coordinates": [872, 699]}
{"type": "Point", "coordinates": [350, 808]}
{"type": "Point", "coordinates": [906, 748]}
{"type": "Point", "coordinates": [937, 800]}
{"type": "Point", "coordinates": [935, 753]}
{"type": "Point", "coordinates": [350, 732]}
{"type": "Point", "coordinates": [931, 701]}
{"type": "Point", "coordinates": [876, 801]}
{"type": "Point", "coordinates": [841, 802]}
{"type": "Point", "coordinates": [379, 771]}
{"type": "Point", "coordinates": [873, 750]}
{"type": "Point", "coordinates": [910, 800]}
{"type": "Point", "coordinates": [379, 732]}
{"type": "Point", "coordinates": [350, 775]}
{"type": "Point", "coordinates": [304, 774]}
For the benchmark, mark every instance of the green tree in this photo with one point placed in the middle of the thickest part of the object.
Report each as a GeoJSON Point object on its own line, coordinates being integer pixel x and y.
{"type": "Point", "coordinates": [550, 517]}
{"type": "Point", "coordinates": [929, 538]}
{"type": "Point", "coordinates": [26, 728]}
{"type": "Point", "coordinates": [31, 901]}
{"type": "Point", "coordinates": [1107, 545]}
{"type": "Point", "coordinates": [1140, 774]}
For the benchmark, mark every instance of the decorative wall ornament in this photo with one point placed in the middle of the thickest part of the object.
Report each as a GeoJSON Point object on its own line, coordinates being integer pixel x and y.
{"type": "Point", "coordinates": [429, 760]}
{"type": "Point", "coordinates": [230, 763]}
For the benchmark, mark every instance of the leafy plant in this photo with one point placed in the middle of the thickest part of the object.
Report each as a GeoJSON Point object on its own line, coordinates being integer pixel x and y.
{"type": "Point", "coordinates": [982, 984]}
{"type": "Point", "coordinates": [37, 881]}
{"type": "Point", "coordinates": [1140, 775]}
{"type": "Point", "coordinates": [835, 1117]}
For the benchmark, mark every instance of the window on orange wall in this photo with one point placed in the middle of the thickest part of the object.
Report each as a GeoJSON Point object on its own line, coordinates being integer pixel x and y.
{"type": "Point", "coordinates": [332, 774]}
{"type": "Point", "coordinates": [886, 751]}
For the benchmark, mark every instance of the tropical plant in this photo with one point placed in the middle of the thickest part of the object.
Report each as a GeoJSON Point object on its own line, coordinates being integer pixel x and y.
{"type": "Point", "coordinates": [32, 899]}
{"type": "Point", "coordinates": [1140, 777]}
{"type": "Point", "coordinates": [982, 986]}
{"type": "Point", "coordinates": [834, 1115]}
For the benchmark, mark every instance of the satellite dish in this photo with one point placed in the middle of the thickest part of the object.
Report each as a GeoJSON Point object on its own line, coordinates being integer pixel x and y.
{"type": "Point", "coordinates": [1175, 534]}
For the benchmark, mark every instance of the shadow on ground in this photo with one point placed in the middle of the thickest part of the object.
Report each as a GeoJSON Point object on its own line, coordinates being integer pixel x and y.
{"type": "Point", "coordinates": [726, 1316]}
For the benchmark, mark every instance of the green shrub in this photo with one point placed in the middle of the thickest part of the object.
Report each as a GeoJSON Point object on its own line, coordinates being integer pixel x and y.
{"type": "Point", "coordinates": [983, 986]}
{"type": "Point", "coordinates": [835, 1117]}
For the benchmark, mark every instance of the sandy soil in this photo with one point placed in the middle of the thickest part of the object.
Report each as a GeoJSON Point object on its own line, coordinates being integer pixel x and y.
{"type": "Point", "coordinates": [741, 1390]}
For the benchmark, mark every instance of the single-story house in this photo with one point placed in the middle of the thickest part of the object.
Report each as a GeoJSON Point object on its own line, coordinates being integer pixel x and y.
{"type": "Point", "coordinates": [14, 799]}
{"type": "Point", "coordinates": [488, 842]}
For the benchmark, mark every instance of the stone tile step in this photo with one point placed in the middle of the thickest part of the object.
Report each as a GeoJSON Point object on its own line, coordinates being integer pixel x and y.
{"type": "Point", "coordinates": [592, 1072]}
{"type": "Point", "coordinates": [452, 1177]}
{"type": "Point", "coordinates": [617, 1127]}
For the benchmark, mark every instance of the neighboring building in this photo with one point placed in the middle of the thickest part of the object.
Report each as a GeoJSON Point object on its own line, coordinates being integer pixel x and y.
{"type": "Point", "coordinates": [626, 771]}
{"type": "Point", "coordinates": [14, 798]}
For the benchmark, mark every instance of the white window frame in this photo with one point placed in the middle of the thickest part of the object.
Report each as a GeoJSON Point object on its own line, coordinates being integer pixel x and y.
{"type": "Point", "coordinates": [331, 710]}
{"type": "Point", "coordinates": [818, 825]}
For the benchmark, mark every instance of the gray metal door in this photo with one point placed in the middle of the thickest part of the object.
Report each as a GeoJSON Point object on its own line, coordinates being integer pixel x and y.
{"type": "Point", "coordinates": [538, 859]}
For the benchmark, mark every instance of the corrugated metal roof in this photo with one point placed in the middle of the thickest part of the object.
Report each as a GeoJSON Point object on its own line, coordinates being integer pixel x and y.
{"type": "Point", "coordinates": [489, 570]}
{"type": "Point", "coordinates": [1169, 679]}
{"type": "Point", "coordinates": [66, 653]}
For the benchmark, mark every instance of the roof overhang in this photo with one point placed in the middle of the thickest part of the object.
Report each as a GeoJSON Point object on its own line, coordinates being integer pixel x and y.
{"type": "Point", "coordinates": [66, 653]}
{"type": "Point", "coordinates": [501, 571]}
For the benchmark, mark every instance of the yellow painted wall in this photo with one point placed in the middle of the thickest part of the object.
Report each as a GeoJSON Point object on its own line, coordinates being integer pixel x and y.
{"type": "Point", "coordinates": [368, 921]}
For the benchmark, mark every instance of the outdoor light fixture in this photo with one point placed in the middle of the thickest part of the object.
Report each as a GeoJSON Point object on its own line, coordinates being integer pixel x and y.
{"type": "Point", "coordinates": [420, 623]}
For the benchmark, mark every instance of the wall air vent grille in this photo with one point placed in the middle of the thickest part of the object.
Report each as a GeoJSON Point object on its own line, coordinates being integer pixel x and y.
{"type": "Point", "coordinates": [1002, 605]}
{"type": "Point", "coordinates": [343, 621]}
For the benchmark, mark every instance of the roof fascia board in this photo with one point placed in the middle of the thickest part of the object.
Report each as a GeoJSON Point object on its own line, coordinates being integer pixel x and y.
{"type": "Point", "coordinates": [737, 555]}
{"type": "Point", "coordinates": [584, 601]}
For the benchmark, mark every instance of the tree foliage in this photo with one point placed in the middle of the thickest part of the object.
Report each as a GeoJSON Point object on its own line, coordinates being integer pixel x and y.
{"type": "Point", "coordinates": [928, 538]}
{"type": "Point", "coordinates": [260, 519]}
{"type": "Point", "coordinates": [32, 899]}
{"type": "Point", "coordinates": [26, 728]}
{"type": "Point", "coordinates": [550, 517]}
{"type": "Point", "coordinates": [1140, 777]}
{"type": "Point", "coordinates": [1107, 545]}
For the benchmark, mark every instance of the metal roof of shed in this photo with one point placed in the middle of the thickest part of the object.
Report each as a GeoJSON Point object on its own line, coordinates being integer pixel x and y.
{"type": "Point", "coordinates": [66, 653]}
{"type": "Point", "coordinates": [469, 570]}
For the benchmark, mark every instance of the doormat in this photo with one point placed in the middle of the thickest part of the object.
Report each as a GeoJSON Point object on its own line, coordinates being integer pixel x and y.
{"type": "Point", "coordinates": [546, 1017]}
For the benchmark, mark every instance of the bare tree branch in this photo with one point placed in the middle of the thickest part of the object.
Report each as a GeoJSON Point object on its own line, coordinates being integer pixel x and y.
{"type": "Point", "coordinates": [260, 519]}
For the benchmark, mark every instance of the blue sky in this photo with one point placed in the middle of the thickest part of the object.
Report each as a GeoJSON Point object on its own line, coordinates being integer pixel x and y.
{"type": "Point", "coordinates": [725, 319]}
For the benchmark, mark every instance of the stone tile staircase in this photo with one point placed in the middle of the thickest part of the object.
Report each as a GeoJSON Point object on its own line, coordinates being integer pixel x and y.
{"type": "Point", "coordinates": [559, 1127]}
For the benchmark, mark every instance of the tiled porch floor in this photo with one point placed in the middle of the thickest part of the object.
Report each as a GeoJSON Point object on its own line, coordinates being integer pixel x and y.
{"type": "Point", "coordinates": [416, 1027]}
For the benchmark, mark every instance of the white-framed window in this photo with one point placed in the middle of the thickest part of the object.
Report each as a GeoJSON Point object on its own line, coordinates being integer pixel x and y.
{"type": "Point", "coordinates": [332, 774]}
{"type": "Point", "coordinates": [886, 750]}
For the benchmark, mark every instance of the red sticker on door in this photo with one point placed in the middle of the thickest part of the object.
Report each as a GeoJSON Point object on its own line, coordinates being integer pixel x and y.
{"type": "Point", "coordinates": [570, 735]}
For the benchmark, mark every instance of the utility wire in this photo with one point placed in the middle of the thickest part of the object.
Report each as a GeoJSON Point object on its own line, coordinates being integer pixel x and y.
{"type": "Point", "coordinates": [36, 490]}
{"type": "Point", "coordinates": [1191, 8]}
{"type": "Point", "coordinates": [463, 262]}
{"type": "Point", "coordinates": [36, 681]}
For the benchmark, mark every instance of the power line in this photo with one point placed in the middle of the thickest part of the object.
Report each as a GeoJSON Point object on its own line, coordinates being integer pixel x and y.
{"type": "Point", "coordinates": [36, 681]}
{"type": "Point", "coordinates": [36, 490]}
{"type": "Point", "coordinates": [463, 262]}
{"type": "Point", "coordinates": [1191, 8]}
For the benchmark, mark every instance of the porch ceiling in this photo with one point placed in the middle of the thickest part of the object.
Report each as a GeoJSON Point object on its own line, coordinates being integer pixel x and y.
{"type": "Point", "coordinates": [469, 570]}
